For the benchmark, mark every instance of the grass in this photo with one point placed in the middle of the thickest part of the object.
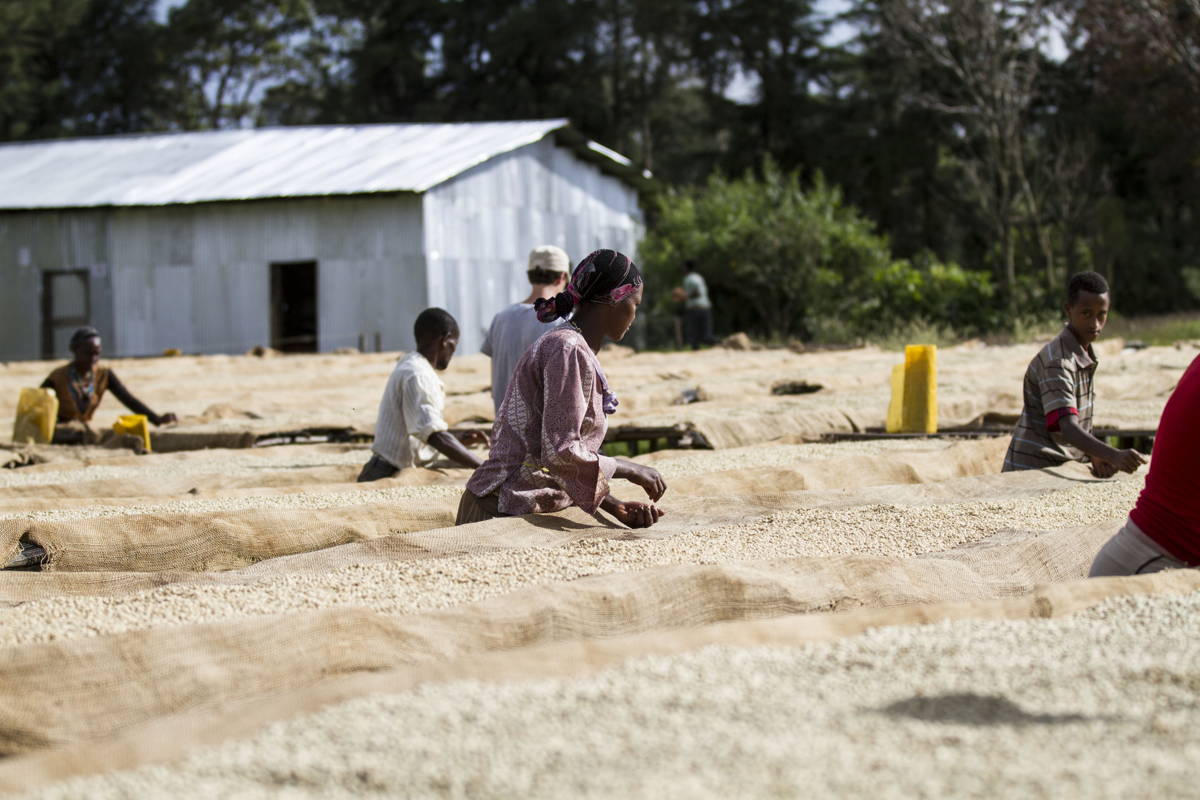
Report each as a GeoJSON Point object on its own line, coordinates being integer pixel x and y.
{"type": "Point", "coordinates": [1155, 330]}
{"type": "Point", "coordinates": [629, 449]}
{"type": "Point", "coordinates": [1161, 329]}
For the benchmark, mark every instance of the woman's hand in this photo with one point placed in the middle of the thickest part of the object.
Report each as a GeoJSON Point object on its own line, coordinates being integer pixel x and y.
{"type": "Point", "coordinates": [645, 477]}
{"type": "Point", "coordinates": [634, 515]}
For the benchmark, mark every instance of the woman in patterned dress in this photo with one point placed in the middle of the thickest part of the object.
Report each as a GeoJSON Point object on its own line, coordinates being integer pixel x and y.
{"type": "Point", "coordinates": [546, 441]}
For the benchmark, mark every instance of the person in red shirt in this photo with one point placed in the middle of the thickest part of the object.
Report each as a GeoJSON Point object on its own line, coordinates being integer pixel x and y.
{"type": "Point", "coordinates": [1163, 530]}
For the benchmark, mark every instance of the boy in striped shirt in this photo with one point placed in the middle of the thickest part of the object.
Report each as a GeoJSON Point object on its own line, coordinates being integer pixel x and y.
{"type": "Point", "coordinates": [1056, 421]}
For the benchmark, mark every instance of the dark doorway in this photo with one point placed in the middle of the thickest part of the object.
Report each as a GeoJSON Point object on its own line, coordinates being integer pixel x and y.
{"type": "Point", "coordinates": [66, 305]}
{"type": "Point", "coordinates": [294, 307]}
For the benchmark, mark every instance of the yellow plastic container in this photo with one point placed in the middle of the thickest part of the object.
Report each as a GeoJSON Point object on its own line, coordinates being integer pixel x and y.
{"type": "Point", "coordinates": [37, 411]}
{"type": "Point", "coordinates": [920, 389]}
{"type": "Point", "coordinates": [895, 413]}
{"type": "Point", "coordinates": [135, 424]}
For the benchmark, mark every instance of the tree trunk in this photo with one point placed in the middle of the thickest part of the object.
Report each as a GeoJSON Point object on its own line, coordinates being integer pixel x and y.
{"type": "Point", "coordinates": [1010, 268]}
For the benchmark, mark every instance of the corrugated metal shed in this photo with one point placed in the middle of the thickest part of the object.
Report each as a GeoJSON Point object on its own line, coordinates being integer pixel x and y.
{"type": "Point", "coordinates": [310, 161]}
{"type": "Point", "coordinates": [327, 236]}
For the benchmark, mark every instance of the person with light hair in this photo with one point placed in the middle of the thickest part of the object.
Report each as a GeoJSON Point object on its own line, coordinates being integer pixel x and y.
{"type": "Point", "coordinates": [516, 327]}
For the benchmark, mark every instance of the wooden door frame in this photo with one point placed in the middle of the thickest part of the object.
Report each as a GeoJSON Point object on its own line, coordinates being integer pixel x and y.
{"type": "Point", "coordinates": [49, 323]}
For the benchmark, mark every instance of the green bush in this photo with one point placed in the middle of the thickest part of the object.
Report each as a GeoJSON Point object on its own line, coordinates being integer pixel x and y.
{"type": "Point", "coordinates": [943, 296]}
{"type": "Point", "coordinates": [776, 257]}
{"type": "Point", "coordinates": [784, 261]}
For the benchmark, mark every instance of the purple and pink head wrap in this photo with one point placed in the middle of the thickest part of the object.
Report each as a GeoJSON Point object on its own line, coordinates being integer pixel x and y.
{"type": "Point", "coordinates": [604, 276]}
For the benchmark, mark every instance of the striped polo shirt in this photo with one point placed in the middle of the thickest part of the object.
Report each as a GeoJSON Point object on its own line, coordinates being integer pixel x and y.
{"type": "Point", "coordinates": [1058, 382]}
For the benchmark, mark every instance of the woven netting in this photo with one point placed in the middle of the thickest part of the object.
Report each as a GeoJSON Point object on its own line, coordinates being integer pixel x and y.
{"type": "Point", "coordinates": [162, 692]}
{"type": "Point", "coordinates": [104, 684]}
{"type": "Point", "coordinates": [136, 680]}
{"type": "Point", "coordinates": [211, 539]}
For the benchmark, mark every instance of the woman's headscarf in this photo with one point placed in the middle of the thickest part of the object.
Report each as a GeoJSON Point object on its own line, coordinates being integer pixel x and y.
{"type": "Point", "coordinates": [604, 276]}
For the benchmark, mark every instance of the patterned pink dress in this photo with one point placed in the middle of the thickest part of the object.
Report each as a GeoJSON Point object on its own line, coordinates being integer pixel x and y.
{"type": "Point", "coordinates": [546, 441]}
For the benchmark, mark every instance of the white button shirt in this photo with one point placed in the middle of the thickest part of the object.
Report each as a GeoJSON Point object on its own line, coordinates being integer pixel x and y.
{"type": "Point", "coordinates": [409, 413]}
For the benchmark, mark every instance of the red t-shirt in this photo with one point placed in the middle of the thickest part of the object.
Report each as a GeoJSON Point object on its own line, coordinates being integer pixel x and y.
{"type": "Point", "coordinates": [1168, 510]}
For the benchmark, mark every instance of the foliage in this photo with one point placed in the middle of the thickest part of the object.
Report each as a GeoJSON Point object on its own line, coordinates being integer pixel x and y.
{"type": "Point", "coordinates": [779, 256]}
{"type": "Point", "coordinates": [77, 67]}
{"type": "Point", "coordinates": [953, 126]}
{"type": "Point", "coordinates": [941, 295]}
{"type": "Point", "coordinates": [228, 51]}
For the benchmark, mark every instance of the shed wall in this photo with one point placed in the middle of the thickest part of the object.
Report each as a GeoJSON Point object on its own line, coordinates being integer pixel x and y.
{"type": "Point", "coordinates": [198, 277]}
{"type": "Point", "coordinates": [32, 243]}
{"type": "Point", "coordinates": [480, 227]}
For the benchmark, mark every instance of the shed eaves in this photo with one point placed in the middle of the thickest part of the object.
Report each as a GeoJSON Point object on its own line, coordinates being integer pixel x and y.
{"type": "Point", "coordinates": [163, 169]}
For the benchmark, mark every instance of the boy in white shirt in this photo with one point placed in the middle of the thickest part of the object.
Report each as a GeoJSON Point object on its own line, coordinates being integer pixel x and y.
{"type": "Point", "coordinates": [409, 430]}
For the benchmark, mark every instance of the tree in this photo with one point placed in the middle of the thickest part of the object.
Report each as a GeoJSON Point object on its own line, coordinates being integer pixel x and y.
{"type": "Point", "coordinates": [991, 52]}
{"type": "Point", "coordinates": [77, 67]}
{"type": "Point", "coordinates": [1137, 92]}
{"type": "Point", "coordinates": [230, 51]}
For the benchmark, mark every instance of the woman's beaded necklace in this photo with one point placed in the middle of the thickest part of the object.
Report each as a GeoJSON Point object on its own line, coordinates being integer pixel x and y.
{"type": "Point", "coordinates": [82, 386]}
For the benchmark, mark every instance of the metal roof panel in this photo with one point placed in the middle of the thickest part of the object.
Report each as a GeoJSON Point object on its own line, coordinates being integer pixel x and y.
{"type": "Point", "coordinates": [211, 166]}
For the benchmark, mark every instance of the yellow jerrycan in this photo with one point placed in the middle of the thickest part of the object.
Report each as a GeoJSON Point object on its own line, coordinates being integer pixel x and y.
{"type": "Point", "coordinates": [913, 407]}
{"type": "Point", "coordinates": [135, 424]}
{"type": "Point", "coordinates": [37, 411]}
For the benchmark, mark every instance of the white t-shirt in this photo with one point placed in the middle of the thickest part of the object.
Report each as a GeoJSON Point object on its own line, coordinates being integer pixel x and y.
{"type": "Point", "coordinates": [510, 334]}
{"type": "Point", "coordinates": [409, 413]}
{"type": "Point", "coordinates": [697, 291]}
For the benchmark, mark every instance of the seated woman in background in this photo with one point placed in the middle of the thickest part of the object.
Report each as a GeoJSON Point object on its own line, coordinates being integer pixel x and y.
{"type": "Point", "coordinates": [81, 384]}
{"type": "Point", "coordinates": [546, 442]}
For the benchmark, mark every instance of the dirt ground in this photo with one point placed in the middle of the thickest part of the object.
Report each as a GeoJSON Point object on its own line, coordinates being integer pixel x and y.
{"type": "Point", "coordinates": [887, 617]}
{"type": "Point", "coordinates": [247, 393]}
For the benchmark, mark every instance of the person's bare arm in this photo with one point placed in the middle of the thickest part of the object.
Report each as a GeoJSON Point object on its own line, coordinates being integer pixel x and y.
{"type": "Point", "coordinates": [645, 477]}
{"type": "Point", "coordinates": [448, 445]}
{"type": "Point", "coordinates": [133, 404]}
{"type": "Point", "coordinates": [475, 438]}
{"type": "Point", "coordinates": [1124, 460]}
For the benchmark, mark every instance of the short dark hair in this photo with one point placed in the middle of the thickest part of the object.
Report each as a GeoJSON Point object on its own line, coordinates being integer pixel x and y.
{"type": "Point", "coordinates": [689, 266]}
{"type": "Point", "coordinates": [544, 276]}
{"type": "Point", "coordinates": [433, 324]}
{"type": "Point", "coordinates": [1085, 282]}
{"type": "Point", "coordinates": [81, 335]}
